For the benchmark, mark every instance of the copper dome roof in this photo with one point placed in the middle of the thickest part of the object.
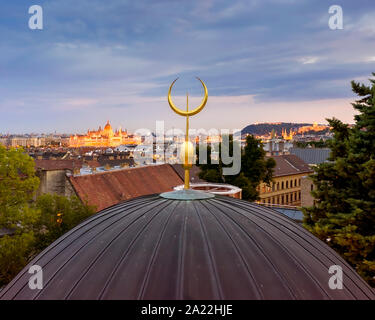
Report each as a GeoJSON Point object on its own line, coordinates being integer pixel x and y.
{"type": "Point", "coordinates": [156, 248]}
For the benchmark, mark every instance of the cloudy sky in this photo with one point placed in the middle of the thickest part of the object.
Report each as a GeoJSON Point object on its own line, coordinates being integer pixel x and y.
{"type": "Point", "coordinates": [262, 61]}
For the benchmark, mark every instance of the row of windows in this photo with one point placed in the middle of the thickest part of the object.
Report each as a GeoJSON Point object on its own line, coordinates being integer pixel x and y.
{"type": "Point", "coordinates": [276, 186]}
{"type": "Point", "coordinates": [284, 199]}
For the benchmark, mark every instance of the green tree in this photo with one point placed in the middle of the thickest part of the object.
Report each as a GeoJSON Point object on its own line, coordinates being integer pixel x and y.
{"type": "Point", "coordinates": [315, 144]}
{"type": "Point", "coordinates": [255, 168]}
{"type": "Point", "coordinates": [344, 210]}
{"type": "Point", "coordinates": [32, 225]}
{"type": "Point", "coordinates": [18, 184]}
{"type": "Point", "coordinates": [58, 214]}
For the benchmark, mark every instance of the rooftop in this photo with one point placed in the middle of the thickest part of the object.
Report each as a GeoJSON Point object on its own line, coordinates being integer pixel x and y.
{"type": "Point", "coordinates": [50, 165]}
{"type": "Point", "coordinates": [108, 188]}
{"type": "Point", "coordinates": [194, 172]}
{"type": "Point", "coordinates": [219, 248]}
{"type": "Point", "coordinates": [289, 164]}
{"type": "Point", "coordinates": [311, 155]}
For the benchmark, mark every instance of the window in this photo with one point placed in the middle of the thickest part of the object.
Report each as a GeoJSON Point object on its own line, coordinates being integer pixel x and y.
{"type": "Point", "coordinates": [295, 196]}
{"type": "Point", "coordinates": [287, 185]}
{"type": "Point", "coordinates": [282, 185]}
{"type": "Point", "coordinates": [278, 186]}
{"type": "Point", "coordinates": [299, 195]}
{"type": "Point", "coordinates": [287, 198]}
{"type": "Point", "coordinates": [295, 182]}
{"type": "Point", "coordinates": [282, 199]}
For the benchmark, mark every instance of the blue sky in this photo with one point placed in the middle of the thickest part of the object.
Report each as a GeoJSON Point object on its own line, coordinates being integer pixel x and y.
{"type": "Point", "coordinates": [114, 60]}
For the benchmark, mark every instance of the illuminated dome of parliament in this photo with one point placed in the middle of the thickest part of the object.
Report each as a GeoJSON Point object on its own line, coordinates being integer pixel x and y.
{"type": "Point", "coordinates": [108, 126]}
{"type": "Point", "coordinates": [216, 248]}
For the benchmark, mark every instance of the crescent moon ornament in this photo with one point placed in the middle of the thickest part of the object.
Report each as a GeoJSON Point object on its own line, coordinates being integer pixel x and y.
{"type": "Point", "coordinates": [187, 149]}
{"type": "Point", "coordinates": [192, 112]}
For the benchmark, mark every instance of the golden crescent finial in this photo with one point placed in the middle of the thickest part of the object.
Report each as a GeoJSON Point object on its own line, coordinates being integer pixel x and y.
{"type": "Point", "coordinates": [192, 112]}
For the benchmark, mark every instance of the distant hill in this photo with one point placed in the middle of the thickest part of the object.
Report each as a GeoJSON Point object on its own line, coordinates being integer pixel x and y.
{"type": "Point", "coordinates": [266, 128]}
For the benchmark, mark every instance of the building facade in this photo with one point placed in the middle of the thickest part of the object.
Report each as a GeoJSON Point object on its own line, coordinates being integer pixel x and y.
{"type": "Point", "coordinates": [287, 180]}
{"type": "Point", "coordinates": [23, 141]}
{"type": "Point", "coordinates": [307, 186]}
{"type": "Point", "coordinates": [53, 176]}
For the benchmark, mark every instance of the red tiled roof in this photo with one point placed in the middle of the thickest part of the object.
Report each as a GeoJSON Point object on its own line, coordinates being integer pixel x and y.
{"type": "Point", "coordinates": [194, 173]}
{"type": "Point", "coordinates": [57, 164]}
{"type": "Point", "coordinates": [289, 164]}
{"type": "Point", "coordinates": [108, 188]}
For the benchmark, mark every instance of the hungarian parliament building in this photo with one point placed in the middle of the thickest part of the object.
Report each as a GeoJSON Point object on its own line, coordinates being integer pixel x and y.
{"type": "Point", "coordinates": [103, 138]}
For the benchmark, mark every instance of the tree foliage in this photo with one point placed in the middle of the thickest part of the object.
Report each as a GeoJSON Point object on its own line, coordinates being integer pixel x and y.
{"type": "Point", "coordinates": [255, 168]}
{"type": "Point", "coordinates": [344, 210]}
{"type": "Point", "coordinates": [58, 214]}
{"type": "Point", "coordinates": [312, 144]}
{"type": "Point", "coordinates": [18, 184]}
{"type": "Point", "coordinates": [31, 225]}
{"type": "Point", "coordinates": [15, 252]}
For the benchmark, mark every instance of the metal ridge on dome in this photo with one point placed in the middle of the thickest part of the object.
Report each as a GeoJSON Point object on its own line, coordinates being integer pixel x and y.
{"type": "Point", "coordinates": [156, 248]}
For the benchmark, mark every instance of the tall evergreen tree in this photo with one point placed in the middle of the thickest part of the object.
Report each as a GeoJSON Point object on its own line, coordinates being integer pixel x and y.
{"type": "Point", "coordinates": [344, 210]}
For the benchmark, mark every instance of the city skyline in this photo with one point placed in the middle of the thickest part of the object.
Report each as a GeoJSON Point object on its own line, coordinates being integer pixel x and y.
{"type": "Point", "coordinates": [170, 131]}
{"type": "Point", "coordinates": [275, 61]}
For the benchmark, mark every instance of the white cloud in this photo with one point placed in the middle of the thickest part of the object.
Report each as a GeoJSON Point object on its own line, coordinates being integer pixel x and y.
{"type": "Point", "coordinates": [370, 59]}
{"type": "Point", "coordinates": [308, 60]}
